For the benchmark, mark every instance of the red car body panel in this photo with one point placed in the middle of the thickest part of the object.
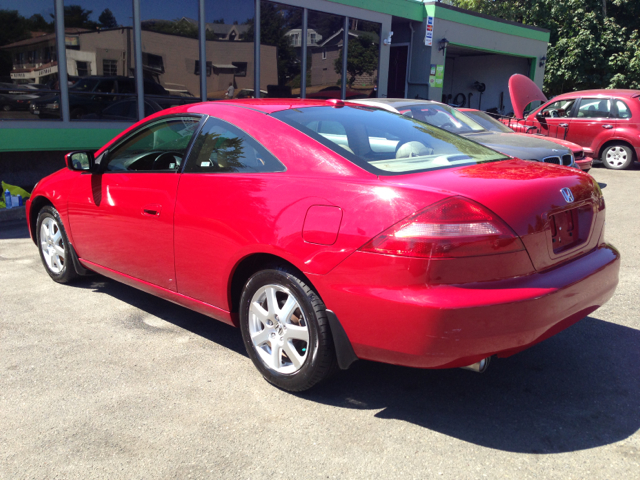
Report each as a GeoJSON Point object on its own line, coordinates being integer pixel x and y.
{"type": "Point", "coordinates": [183, 236]}
{"type": "Point", "coordinates": [393, 304]}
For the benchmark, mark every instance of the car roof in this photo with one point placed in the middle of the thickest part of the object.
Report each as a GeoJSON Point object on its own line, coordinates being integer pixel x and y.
{"type": "Point", "coordinates": [265, 105]}
{"type": "Point", "coordinates": [393, 102]}
{"type": "Point", "coordinates": [614, 92]}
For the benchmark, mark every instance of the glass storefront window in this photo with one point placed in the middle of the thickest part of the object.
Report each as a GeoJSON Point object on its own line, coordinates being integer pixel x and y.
{"type": "Point", "coordinates": [28, 60]}
{"type": "Point", "coordinates": [100, 56]}
{"type": "Point", "coordinates": [363, 58]}
{"type": "Point", "coordinates": [325, 38]}
{"type": "Point", "coordinates": [170, 53]}
{"type": "Point", "coordinates": [100, 60]}
{"type": "Point", "coordinates": [229, 35]}
{"type": "Point", "coordinates": [280, 49]}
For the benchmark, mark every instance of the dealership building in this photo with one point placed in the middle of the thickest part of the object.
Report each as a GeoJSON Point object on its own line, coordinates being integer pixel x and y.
{"type": "Point", "coordinates": [69, 80]}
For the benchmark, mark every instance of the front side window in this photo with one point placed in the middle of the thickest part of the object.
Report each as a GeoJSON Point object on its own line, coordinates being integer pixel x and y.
{"type": "Point", "coordinates": [159, 147]}
{"type": "Point", "coordinates": [385, 143]}
{"type": "Point", "coordinates": [595, 108]}
{"type": "Point", "coordinates": [559, 109]}
{"type": "Point", "coordinates": [223, 148]}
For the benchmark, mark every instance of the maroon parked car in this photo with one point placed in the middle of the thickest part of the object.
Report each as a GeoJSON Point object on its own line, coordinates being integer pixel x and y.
{"type": "Point", "coordinates": [603, 122]}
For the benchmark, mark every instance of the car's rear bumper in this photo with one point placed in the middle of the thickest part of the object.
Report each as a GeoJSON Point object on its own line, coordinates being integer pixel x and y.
{"type": "Point", "coordinates": [394, 315]}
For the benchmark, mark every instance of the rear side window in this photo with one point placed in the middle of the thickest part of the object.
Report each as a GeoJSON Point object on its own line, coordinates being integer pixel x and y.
{"type": "Point", "coordinates": [223, 148]}
{"type": "Point", "coordinates": [595, 108]}
{"type": "Point", "coordinates": [623, 110]}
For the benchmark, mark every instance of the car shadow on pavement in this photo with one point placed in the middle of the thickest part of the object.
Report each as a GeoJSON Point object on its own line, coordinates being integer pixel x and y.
{"type": "Point", "coordinates": [194, 322]}
{"type": "Point", "coordinates": [575, 391]}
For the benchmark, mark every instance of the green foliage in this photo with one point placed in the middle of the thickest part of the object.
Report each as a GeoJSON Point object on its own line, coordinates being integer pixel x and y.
{"type": "Point", "coordinates": [77, 17]}
{"type": "Point", "coordinates": [588, 48]}
{"type": "Point", "coordinates": [275, 22]}
{"type": "Point", "coordinates": [107, 19]}
{"type": "Point", "coordinates": [15, 28]}
{"type": "Point", "coordinates": [361, 58]}
{"type": "Point", "coordinates": [179, 27]}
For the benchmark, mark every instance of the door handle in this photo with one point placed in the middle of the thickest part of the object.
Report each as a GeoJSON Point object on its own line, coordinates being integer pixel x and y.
{"type": "Point", "coordinates": [152, 210]}
{"type": "Point", "coordinates": [563, 125]}
{"type": "Point", "coordinates": [607, 126]}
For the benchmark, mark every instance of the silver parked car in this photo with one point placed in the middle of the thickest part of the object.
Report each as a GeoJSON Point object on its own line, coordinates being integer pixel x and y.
{"type": "Point", "coordinates": [527, 147]}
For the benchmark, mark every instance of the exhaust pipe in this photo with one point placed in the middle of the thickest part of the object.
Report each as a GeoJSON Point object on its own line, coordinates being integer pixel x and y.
{"type": "Point", "coordinates": [479, 367]}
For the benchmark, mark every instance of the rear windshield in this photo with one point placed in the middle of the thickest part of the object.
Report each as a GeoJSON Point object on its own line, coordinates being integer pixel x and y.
{"type": "Point", "coordinates": [441, 116]}
{"type": "Point", "coordinates": [488, 122]}
{"type": "Point", "coordinates": [386, 143]}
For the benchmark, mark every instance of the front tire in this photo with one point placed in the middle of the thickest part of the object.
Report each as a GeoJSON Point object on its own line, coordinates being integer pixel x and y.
{"type": "Point", "coordinates": [285, 330]}
{"type": "Point", "coordinates": [617, 157]}
{"type": "Point", "coordinates": [54, 246]}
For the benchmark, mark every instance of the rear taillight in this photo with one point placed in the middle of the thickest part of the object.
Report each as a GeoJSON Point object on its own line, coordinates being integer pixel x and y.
{"type": "Point", "coordinates": [455, 227]}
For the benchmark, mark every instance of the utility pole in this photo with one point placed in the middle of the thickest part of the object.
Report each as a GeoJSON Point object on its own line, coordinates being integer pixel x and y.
{"type": "Point", "coordinates": [604, 8]}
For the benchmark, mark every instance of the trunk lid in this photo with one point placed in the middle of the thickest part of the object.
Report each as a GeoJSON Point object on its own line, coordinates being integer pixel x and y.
{"type": "Point", "coordinates": [528, 197]}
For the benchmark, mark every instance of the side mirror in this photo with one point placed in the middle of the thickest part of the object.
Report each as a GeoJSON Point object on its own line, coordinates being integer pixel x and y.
{"type": "Point", "coordinates": [79, 161]}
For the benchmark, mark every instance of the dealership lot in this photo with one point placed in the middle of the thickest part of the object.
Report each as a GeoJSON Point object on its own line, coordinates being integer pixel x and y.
{"type": "Point", "coordinates": [100, 380]}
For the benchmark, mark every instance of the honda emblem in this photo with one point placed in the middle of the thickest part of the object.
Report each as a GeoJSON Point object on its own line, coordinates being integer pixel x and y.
{"type": "Point", "coordinates": [566, 193]}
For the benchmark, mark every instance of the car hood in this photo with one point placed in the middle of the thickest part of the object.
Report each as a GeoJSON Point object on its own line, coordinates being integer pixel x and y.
{"type": "Point", "coordinates": [574, 147]}
{"type": "Point", "coordinates": [527, 147]}
{"type": "Point", "coordinates": [523, 91]}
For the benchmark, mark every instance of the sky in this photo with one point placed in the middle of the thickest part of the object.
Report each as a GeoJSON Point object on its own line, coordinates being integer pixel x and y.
{"type": "Point", "coordinates": [231, 11]}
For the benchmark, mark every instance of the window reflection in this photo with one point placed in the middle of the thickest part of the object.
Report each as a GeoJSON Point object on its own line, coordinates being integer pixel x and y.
{"type": "Point", "coordinates": [324, 49]}
{"type": "Point", "coordinates": [363, 58]}
{"type": "Point", "coordinates": [28, 59]}
{"type": "Point", "coordinates": [230, 34]}
{"type": "Point", "coordinates": [280, 49]}
{"type": "Point", "coordinates": [100, 59]}
{"type": "Point", "coordinates": [170, 52]}
{"type": "Point", "coordinates": [325, 42]}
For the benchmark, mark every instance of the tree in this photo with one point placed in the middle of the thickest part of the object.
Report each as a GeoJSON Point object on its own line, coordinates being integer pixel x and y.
{"type": "Point", "coordinates": [275, 22]}
{"type": "Point", "coordinates": [37, 23]}
{"type": "Point", "coordinates": [180, 27]}
{"type": "Point", "coordinates": [362, 57]}
{"type": "Point", "coordinates": [107, 20]}
{"type": "Point", "coordinates": [589, 47]}
{"type": "Point", "coordinates": [77, 17]}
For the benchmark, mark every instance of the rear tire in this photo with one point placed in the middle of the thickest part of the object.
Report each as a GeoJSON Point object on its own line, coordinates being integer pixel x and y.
{"type": "Point", "coordinates": [617, 157]}
{"type": "Point", "coordinates": [54, 246]}
{"type": "Point", "coordinates": [285, 330]}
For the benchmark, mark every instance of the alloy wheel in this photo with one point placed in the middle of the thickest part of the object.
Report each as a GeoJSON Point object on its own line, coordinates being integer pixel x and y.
{"type": "Point", "coordinates": [52, 245]}
{"type": "Point", "coordinates": [278, 329]}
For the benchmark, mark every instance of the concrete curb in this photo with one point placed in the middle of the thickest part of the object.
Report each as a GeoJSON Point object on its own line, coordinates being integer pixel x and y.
{"type": "Point", "coordinates": [10, 214]}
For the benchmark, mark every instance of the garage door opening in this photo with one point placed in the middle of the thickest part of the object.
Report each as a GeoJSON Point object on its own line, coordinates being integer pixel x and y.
{"type": "Point", "coordinates": [479, 79]}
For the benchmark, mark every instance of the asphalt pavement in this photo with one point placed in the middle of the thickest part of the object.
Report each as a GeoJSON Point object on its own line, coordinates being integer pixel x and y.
{"type": "Point", "coordinates": [99, 380]}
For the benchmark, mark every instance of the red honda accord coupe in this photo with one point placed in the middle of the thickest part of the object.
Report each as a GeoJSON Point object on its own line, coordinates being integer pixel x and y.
{"type": "Point", "coordinates": [330, 232]}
